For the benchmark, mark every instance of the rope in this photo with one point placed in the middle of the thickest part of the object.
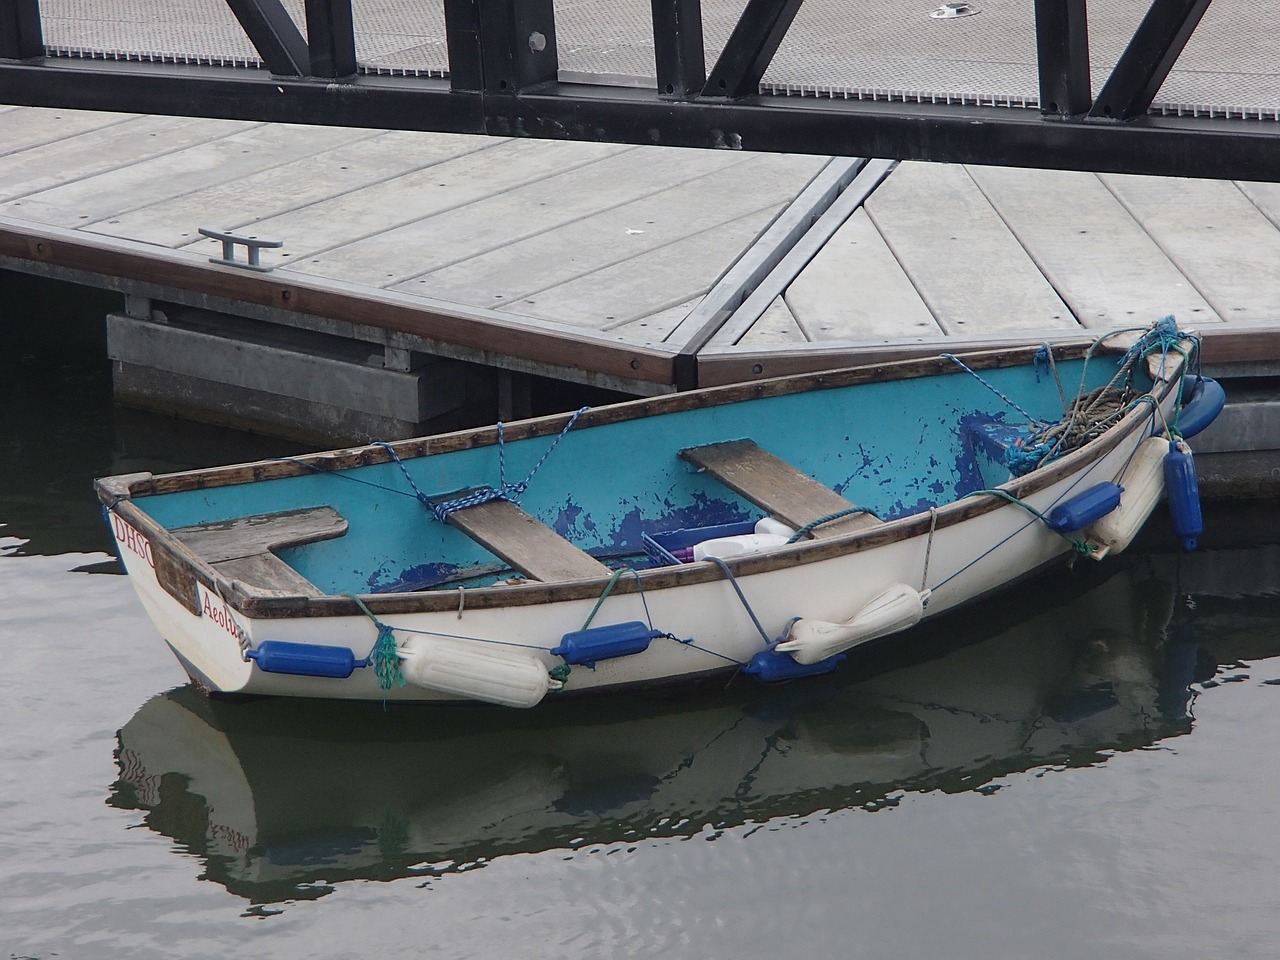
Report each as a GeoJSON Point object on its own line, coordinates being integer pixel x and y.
{"type": "Point", "coordinates": [963, 366]}
{"type": "Point", "coordinates": [608, 588]}
{"type": "Point", "coordinates": [741, 596]}
{"type": "Point", "coordinates": [441, 509]}
{"type": "Point", "coordinates": [928, 548]}
{"type": "Point", "coordinates": [1080, 545]}
{"type": "Point", "coordinates": [383, 657]}
{"type": "Point", "coordinates": [804, 531]}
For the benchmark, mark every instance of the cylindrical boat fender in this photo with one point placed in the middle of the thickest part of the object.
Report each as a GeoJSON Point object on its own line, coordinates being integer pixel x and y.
{"type": "Point", "coordinates": [896, 608]}
{"type": "Point", "coordinates": [475, 670]}
{"type": "Point", "coordinates": [1084, 508]}
{"type": "Point", "coordinates": [604, 643]}
{"type": "Point", "coordinates": [1184, 493]}
{"type": "Point", "coordinates": [769, 666]}
{"type": "Point", "coordinates": [303, 659]}
{"type": "Point", "coordinates": [1202, 400]}
{"type": "Point", "coordinates": [1143, 485]}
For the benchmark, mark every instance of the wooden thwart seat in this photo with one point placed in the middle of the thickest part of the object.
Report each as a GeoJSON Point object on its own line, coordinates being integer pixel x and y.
{"type": "Point", "coordinates": [243, 548]}
{"type": "Point", "coordinates": [776, 487]}
{"type": "Point", "coordinates": [527, 544]}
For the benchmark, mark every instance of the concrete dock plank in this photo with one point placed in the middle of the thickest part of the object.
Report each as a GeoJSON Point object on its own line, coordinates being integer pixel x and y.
{"type": "Point", "coordinates": [613, 236]}
{"type": "Point", "coordinates": [1264, 196]}
{"type": "Point", "coordinates": [1215, 235]}
{"type": "Point", "coordinates": [655, 328]}
{"type": "Point", "coordinates": [243, 203]}
{"type": "Point", "coordinates": [855, 289]}
{"type": "Point", "coordinates": [404, 256]}
{"type": "Point", "coordinates": [969, 269]}
{"type": "Point", "coordinates": [27, 127]}
{"type": "Point", "coordinates": [777, 326]}
{"type": "Point", "coordinates": [454, 182]}
{"type": "Point", "coordinates": [645, 281]}
{"type": "Point", "coordinates": [248, 149]}
{"type": "Point", "coordinates": [1073, 227]}
{"type": "Point", "coordinates": [102, 150]}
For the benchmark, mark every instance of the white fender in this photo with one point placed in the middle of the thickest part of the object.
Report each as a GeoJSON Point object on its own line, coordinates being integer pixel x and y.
{"type": "Point", "coordinates": [1143, 483]}
{"type": "Point", "coordinates": [893, 609]}
{"type": "Point", "coordinates": [477, 671]}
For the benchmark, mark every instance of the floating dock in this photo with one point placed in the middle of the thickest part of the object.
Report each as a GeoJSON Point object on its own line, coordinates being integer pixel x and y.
{"type": "Point", "coordinates": [430, 280]}
{"type": "Point", "coordinates": [390, 283]}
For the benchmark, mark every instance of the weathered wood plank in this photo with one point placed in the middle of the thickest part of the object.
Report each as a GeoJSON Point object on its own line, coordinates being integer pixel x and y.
{"type": "Point", "coordinates": [1075, 229]}
{"type": "Point", "coordinates": [246, 148]}
{"type": "Point", "coordinates": [322, 231]}
{"type": "Point", "coordinates": [1217, 237]}
{"type": "Point", "coordinates": [247, 536]}
{"type": "Point", "coordinates": [775, 486]}
{"type": "Point", "coordinates": [405, 255]}
{"type": "Point", "coordinates": [530, 268]}
{"type": "Point", "coordinates": [243, 202]}
{"type": "Point", "coordinates": [975, 277]}
{"type": "Point", "coordinates": [620, 293]}
{"type": "Point", "coordinates": [530, 546]}
{"type": "Point", "coordinates": [99, 151]}
{"type": "Point", "coordinates": [28, 127]}
{"type": "Point", "coordinates": [267, 574]}
{"type": "Point", "coordinates": [777, 325]}
{"type": "Point", "coordinates": [855, 289]}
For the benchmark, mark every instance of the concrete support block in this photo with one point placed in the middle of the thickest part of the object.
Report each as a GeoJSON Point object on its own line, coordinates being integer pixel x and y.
{"type": "Point", "coordinates": [278, 380]}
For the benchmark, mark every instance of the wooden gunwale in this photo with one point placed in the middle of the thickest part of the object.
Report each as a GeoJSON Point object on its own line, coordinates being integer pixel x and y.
{"type": "Point", "coordinates": [259, 606]}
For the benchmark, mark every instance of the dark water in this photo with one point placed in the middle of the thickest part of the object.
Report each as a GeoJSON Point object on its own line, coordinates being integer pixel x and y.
{"type": "Point", "coordinates": [1083, 768]}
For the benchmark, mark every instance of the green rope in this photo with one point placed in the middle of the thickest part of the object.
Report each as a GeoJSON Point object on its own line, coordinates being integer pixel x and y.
{"type": "Point", "coordinates": [1078, 544]}
{"type": "Point", "coordinates": [383, 657]}
{"type": "Point", "coordinates": [804, 531]}
{"type": "Point", "coordinates": [613, 580]}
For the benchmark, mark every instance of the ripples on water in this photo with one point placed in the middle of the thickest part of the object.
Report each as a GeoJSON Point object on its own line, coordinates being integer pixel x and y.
{"type": "Point", "coordinates": [1080, 769]}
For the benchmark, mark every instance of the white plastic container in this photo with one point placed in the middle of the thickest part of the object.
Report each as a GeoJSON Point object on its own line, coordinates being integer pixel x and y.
{"type": "Point", "coordinates": [1143, 483]}
{"type": "Point", "coordinates": [477, 671]}
{"type": "Point", "coordinates": [896, 608]}
{"type": "Point", "coordinates": [739, 546]}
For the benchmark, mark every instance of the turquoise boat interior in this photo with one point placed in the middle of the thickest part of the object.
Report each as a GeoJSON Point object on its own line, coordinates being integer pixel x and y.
{"type": "Point", "coordinates": [893, 448]}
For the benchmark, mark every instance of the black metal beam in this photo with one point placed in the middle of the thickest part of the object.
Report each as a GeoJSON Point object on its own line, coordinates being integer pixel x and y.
{"type": "Point", "coordinates": [1167, 146]}
{"type": "Point", "coordinates": [677, 47]}
{"type": "Point", "coordinates": [21, 37]}
{"type": "Point", "coordinates": [462, 34]}
{"type": "Point", "coordinates": [1146, 62]}
{"type": "Point", "coordinates": [1062, 51]}
{"type": "Point", "coordinates": [331, 39]}
{"type": "Point", "coordinates": [274, 35]}
{"type": "Point", "coordinates": [750, 48]}
{"type": "Point", "coordinates": [517, 44]}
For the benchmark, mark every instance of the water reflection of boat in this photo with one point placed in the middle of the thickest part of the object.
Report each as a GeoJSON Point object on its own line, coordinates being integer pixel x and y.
{"type": "Point", "coordinates": [280, 798]}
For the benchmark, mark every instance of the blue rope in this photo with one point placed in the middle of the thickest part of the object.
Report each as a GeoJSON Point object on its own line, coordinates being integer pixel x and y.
{"type": "Point", "coordinates": [741, 596]}
{"type": "Point", "coordinates": [441, 509]}
{"type": "Point", "coordinates": [960, 363]}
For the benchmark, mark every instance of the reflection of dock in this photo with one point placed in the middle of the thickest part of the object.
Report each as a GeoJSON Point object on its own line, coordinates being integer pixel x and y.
{"type": "Point", "coordinates": [277, 798]}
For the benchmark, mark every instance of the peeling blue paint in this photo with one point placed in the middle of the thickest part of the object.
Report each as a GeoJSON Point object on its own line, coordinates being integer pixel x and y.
{"type": "Point", "coordinates": [895, 448]}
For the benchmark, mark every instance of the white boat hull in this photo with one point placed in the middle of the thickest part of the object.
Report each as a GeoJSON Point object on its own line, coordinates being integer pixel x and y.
{"type": "Point", "coordinates": [965, 561]}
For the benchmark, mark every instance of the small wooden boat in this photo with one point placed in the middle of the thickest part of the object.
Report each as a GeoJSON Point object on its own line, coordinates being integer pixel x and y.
{"type": "Point", "coordinates": [767, 527]}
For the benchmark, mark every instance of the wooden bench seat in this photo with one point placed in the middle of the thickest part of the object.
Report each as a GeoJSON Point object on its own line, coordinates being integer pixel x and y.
{"type": "Point", "coordinates": [776, 487]}
{"type": "Point", "coordinates": [522, 541]}
{"type": "Point", "coordinates": [243, 548]}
